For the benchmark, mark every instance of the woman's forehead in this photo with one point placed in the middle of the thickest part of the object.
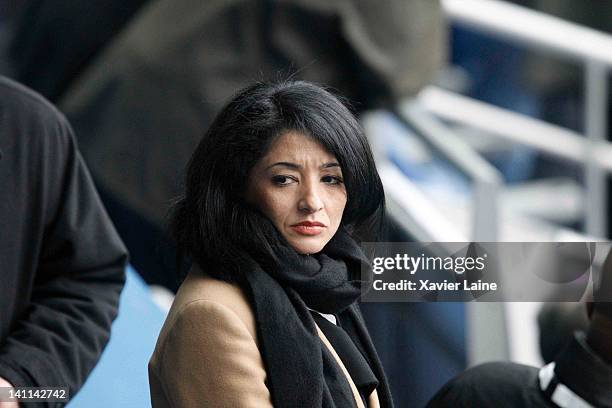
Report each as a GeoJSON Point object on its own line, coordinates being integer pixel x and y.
{"type": "Point", "coordinates": [296, 147]}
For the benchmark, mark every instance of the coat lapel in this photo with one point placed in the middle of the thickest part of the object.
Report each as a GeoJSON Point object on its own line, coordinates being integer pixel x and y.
{"type": "Point", "coordinates": [372, 399]}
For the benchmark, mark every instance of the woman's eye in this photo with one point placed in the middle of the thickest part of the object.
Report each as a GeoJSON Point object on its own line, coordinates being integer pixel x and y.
{"type": "Point", "coordinates": [332, 180]}
{"type": "Point", "coordinates": [283, 180]}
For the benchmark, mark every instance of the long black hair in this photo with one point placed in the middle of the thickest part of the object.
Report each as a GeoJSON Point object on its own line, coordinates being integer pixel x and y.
{"type": "Point", "coordinates": [213, 223]}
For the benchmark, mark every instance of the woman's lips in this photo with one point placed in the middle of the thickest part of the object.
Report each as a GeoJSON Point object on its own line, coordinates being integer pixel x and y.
{"type": "Point", "coordinates": [308, 228]}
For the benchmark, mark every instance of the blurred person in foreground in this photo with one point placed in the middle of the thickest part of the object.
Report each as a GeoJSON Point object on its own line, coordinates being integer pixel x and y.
{"type": "Point", "coordinates": [61, 261]}
{"type": "Point", "coordinates": [579, 377]}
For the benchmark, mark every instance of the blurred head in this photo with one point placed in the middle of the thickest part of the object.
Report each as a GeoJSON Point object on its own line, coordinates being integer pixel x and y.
{"type": "Point", "coordinates": [281, 163]}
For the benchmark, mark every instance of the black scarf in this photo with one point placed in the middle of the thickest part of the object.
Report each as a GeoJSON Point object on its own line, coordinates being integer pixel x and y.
{"type": "Point", "coordinates": [301, 370]}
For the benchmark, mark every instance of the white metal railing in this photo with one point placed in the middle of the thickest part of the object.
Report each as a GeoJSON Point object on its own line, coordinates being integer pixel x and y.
{"type": "Point", "coordinates": [524, 25]}
{"type": "Point", "coordinates": [406, 203]}
{"type": "Point", "coordinates": [534, 30]}
{"type": "Point", "coordinates": [590, 47]}
{"type": "Point", "coordinates": [415, 212]}
{"type": "Point", "coordinates": [540, 31]}
{"type": "Point", "coordinates": [412, 210]}
{"type": "Point", "coordinates": [486, 179]}
{"type": "Point", "coordinates": [511, 126]}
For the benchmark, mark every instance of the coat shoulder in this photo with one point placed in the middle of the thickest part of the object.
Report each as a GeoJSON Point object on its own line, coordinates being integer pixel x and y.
{"type": "Point", "coordinates": [199, 296]}
{"type": "Point", "coordinates": [199, 287]}
{"type": "Point", "coordinates": [207, 351]}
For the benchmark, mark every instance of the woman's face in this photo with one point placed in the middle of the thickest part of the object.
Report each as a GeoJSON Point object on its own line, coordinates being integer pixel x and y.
{"type": "Point", "coordinates": [298, 185]}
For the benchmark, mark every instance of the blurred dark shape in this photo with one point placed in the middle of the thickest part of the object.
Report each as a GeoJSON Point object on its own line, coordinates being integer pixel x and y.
{"type": "Point", "coordinates": [602, 296]}
{"type": "Point", "coordinates": [582, 365]}
{"type": "Point", "coordinates": [62, 261]}
{"type": "Point", "coordinates": [557, 323]}
{"type": "Point", "coordinates": [141, 107]}
{"type": "Point", "coordinates": [560, 82]}
{"type": "Point", "coordinates": [546, 71]}
{"type": "Point", "coordinates": [9, 12]}
{"type": "Point", "coordinates": [54, 40]}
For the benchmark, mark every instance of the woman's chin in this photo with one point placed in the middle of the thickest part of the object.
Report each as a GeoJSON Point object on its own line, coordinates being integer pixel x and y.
{"type": "Point", "coordinates": [307, 246]}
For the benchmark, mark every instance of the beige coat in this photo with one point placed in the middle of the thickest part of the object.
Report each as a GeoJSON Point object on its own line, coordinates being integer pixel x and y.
{"type": "Point", "coordinates": [207, 353]}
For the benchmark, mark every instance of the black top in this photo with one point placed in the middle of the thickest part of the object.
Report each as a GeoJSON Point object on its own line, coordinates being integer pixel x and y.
{"type": "Point", "coordinates": [353, 358]}
{"type": "Point", "coordinates": [61, 262]}
{"type": "Point", "coordinates": [515, 385]}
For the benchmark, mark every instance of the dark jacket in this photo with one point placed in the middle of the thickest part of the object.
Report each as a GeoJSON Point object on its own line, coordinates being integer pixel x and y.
{"type": "Point", "coordinates": [504, 384]}
{"type": "Point", "coordinates": [61, 261]}
{"type": "Point", "coordinates": [53, 41]}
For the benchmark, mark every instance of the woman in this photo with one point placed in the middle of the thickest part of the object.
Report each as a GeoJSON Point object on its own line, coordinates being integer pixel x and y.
{"type": "Point", "coordinates": [267, 316]}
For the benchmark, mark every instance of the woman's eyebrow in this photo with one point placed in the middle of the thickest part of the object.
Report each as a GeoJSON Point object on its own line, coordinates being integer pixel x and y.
{"type": "Point", "coordinates": [297, 166]}
{"type": "Point", "coordinates": [285, 164]}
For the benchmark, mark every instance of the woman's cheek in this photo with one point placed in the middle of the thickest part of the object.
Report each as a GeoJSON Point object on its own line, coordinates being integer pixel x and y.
{"type": "Point", "coordinates": [274, 207]}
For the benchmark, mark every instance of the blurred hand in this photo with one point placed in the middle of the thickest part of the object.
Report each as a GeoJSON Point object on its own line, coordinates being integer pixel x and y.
{"type": "Point", "coordinates": [4, 383]}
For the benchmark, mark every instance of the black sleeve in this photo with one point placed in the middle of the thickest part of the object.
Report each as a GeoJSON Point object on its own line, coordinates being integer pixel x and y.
{"type": "Point", "coordinates": [582, 370]}
{"type": "Point", "coordinates": [496, 384]}
{"type": "Point", "coordinates": [79, 276]}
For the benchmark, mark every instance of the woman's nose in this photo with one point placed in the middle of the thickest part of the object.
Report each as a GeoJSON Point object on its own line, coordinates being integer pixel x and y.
{"type": "Point", "coordinates": [310, 201]}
